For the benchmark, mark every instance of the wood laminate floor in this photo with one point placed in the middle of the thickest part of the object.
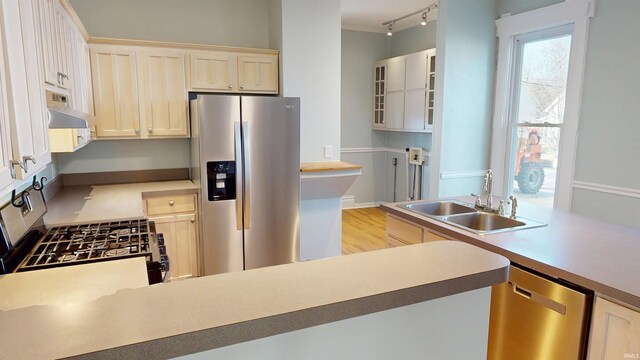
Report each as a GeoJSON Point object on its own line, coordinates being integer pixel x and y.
{"type": "Point", "coordinates": [363, 230]}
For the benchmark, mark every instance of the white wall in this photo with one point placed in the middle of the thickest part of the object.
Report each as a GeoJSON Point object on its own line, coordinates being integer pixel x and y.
{"type": "Point", "coordinates": [220, 22]}
{"type": "Point", "coordinates": [311, 70]}
{"type": "Point", "coordinates": [453, 327]}
{"type": "Point", "coordinates": [464, 95]}
{"type": "Point", "coordinates": [310, 60]}
{"type": "Point", "coordinates": [123, 155]}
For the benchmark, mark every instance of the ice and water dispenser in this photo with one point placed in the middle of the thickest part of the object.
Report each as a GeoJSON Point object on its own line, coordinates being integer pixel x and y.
{"type": "Point", "coordinates": [221, 180]}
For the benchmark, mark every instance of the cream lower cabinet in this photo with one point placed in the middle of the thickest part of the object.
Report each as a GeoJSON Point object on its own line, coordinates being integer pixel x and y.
{"type": "Point", "coordinates": [402, 232]}
{"type": "Point", "coordinates": [615, 332]}
{"type": "Point", "coordinates": [176, 218]}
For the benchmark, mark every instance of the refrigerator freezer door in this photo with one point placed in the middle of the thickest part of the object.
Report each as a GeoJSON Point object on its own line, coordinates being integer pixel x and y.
{"type": "Point", "coordinates": [271, 128]}
{"type": "Point", "coordinates": [221, 240]}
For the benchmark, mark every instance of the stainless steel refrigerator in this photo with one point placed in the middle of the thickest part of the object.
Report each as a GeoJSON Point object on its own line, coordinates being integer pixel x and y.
{"type": "Point", "coordinates": [245, 153]}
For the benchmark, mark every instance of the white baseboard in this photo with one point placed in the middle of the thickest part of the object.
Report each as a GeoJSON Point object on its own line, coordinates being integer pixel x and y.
{"type": "Point", "coordinates": [349, 202]}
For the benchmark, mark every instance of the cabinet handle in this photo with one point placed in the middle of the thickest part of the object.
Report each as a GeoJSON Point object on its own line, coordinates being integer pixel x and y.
{"type": "Point", "coordinates": [150, 131]}
{"type": "Point", "coordinates": [12, 168]}
{"type": "Point", "coordinates": [241, 86]}
{"type": "Point", "coordinates": [230, 86]}
{"type": "Point", "coordinates": [136, 131]}
{"type": "Point", "coordinates": [24, 162]}
{"type": "Point", "coordinates": [171, 202]}
{"type": "Point", "coordinates": [193, 220]}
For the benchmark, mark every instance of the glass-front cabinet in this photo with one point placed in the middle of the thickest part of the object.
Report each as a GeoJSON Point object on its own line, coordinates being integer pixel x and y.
{"type": "Point", "coordinates": [404, 92]}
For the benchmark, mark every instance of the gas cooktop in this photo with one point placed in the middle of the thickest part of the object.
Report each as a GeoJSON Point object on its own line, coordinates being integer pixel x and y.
{"type": "Point", "coordinates": [76, 244]}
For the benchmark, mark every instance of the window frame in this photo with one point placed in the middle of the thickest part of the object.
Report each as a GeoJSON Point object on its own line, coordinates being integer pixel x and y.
{"type": "Point", "coordinates": [569, 12]}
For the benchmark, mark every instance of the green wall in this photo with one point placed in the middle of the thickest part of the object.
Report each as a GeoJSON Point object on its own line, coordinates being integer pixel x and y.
{"type": "Point", "coordinates": [609, 129]}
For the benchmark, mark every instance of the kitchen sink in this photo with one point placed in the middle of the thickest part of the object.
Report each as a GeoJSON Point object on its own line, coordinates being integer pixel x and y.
{"type": "Point", "coordinates": [489, 223]}
{"type": "Point", "coordinates": [439, 208]}
{"type": "Point", "coordinates": [464, 216]}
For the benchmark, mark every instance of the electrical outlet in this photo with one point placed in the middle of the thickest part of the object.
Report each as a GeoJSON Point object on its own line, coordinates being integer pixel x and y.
{"type": "Point", "coordinates": [328, 152]}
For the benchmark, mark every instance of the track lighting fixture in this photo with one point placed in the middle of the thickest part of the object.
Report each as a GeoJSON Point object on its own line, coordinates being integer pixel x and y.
{"type": "Point", "coordinates": [423, 21]}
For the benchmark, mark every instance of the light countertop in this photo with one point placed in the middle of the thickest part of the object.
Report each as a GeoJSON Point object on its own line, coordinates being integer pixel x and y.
{"type": "Point", "coordinates": [83, 204]}
{"type": "Point", "coordinates": [594, 254]}
{"type": "Point", "coordinates": [71, 284]}
{"type": "Point", "coordinates": [168, 320]}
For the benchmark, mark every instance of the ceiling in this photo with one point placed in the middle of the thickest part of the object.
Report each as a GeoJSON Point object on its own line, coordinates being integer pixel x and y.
{"type": "Point", "coordinates": [368, 15]}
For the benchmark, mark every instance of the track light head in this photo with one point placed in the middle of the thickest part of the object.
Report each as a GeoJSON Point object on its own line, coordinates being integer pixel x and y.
{"type": "Point", "coordinates": [424, 19]}
{"type": "Point", "coordinates": [389, 33]}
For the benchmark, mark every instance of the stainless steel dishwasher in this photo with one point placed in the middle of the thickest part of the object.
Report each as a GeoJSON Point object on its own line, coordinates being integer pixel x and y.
{"type": "Point", "coordinates": [536, 317]}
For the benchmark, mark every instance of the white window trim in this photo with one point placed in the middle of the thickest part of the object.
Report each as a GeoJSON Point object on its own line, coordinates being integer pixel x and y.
{"type": "Point", "coordinates": [578, 13]}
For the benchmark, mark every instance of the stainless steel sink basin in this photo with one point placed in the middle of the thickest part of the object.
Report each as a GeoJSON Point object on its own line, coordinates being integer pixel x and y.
{"type": "Point", "coordinates": [487, 223]}
{"type": "Point", "coordinates": [439, 208]}
{"type": "Point", "coordinates": [464, 216]}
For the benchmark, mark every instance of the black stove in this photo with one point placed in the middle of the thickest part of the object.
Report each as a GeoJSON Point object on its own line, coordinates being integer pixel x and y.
{"type": "Point", "coordinates": [41, 248]}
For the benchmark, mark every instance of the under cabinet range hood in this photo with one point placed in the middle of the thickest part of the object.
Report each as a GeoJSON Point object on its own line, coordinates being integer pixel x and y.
{"type": "Point", "coordinates": [63, 117]}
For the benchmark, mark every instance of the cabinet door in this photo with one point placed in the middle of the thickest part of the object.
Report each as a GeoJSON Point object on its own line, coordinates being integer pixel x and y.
{"type": "Point", "coordinates": [46, 32]}
{"type": "Point", "coordinates": [394, 113]}
{"type": "Point", "coordinates": [416, 71]}
{"type": "Point", "coordinates": [64, 47]}
{"type": "Point", "coordinates": [163, 92]}
{"type": "Point", "coordinates": [28, 114]}
{"type": "Point", "coordinates": [258, 73]}
{"type": "Point", "coordinates": [5, 138]}
{"type": "Point", "coordinates": [115, 91]}
{"type": "Point", "coordinates": [211, 71]}
{"type": "Point", "coordinates": [615, 332]}
{"type": "Point", "coordinates": [403, 231]}
{"type": "Point", "coordinates": [414, 109]}
{"type": "Point", "coordinates": [395, 74]}
{"type": "Point", "coordinates": [179, 233]}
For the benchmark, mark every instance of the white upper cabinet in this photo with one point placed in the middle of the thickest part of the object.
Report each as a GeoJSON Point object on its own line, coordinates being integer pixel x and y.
{"type": "Point", "coordinates": [47, 29]}
{"type": "Point", "coordinates": [5, 136]}
{"type": "Point", "coordinates": [163, 95]}
{"type": "Point", "coordinates": [26, 103]}
{"type": "Point", "coordinates": [403, 92]}
{"type": "Point", "coordinates": [395, 69]}
{"type": "Point", "coordinates": [115, 91]}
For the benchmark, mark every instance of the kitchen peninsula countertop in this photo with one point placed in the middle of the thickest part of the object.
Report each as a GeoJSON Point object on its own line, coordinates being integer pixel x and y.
{"type": "Point", "coordinates": [594, 254]}
{"type": "Point", "coordinates": [84, 203]}
{"type": "Point", "coordinates": [182, 317]}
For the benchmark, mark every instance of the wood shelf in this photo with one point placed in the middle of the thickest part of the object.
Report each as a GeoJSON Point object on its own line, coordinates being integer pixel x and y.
{"type": "Point", "coordinates": [328, 166]}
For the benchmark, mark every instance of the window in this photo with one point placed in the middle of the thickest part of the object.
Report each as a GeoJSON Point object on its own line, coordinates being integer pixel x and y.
{"type": "Point", "coordinates": [538, 100]}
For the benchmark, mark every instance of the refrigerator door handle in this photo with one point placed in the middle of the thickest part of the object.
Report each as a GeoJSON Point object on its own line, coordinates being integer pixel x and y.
{"type": "Point", "coordinates": [247, 174]}
{"type": "Point", "coordinates": [239, 190]}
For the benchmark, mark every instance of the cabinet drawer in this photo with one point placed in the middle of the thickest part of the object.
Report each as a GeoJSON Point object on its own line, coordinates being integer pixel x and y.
{"type": "Point", "coordinates": [392, 242]}
{"type": "Point", "coordinates": [170, 205]}
{"type": "Point", "coordinates": [432, 236]}
{"type": "Point", "coordinates": [408, 233]}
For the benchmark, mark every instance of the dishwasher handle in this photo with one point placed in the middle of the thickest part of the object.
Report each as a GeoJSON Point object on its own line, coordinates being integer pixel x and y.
{"type": "Point", "coordinates": [539, 298]}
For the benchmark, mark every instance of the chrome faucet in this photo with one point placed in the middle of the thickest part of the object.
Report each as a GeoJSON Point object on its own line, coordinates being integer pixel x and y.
{"type": "Point", "coordinates": [488, 184]}
{"type": "Point", "coordinates": [514, 206]}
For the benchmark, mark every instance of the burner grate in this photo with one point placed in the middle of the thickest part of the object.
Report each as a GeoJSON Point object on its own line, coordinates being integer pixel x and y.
{"type": "Point", "coordinates": [75, 244]}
